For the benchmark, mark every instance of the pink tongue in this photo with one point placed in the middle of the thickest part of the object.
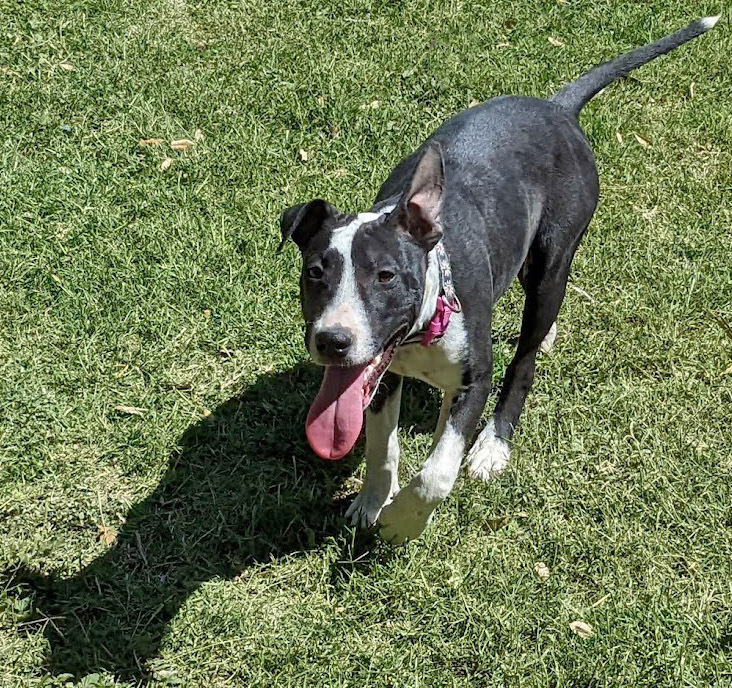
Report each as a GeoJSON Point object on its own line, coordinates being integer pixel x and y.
{"type": "Point", "coordinates": [336, 416]}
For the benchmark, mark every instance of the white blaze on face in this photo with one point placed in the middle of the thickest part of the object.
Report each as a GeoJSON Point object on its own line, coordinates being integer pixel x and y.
{"type": "Point", "coordinates": [347, 308]}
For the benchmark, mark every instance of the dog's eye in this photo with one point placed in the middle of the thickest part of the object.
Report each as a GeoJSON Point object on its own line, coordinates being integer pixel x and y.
{"type": "Point", "coordinates": [385, 276]}
{"type": "Point", "coordinates": [315, 272]}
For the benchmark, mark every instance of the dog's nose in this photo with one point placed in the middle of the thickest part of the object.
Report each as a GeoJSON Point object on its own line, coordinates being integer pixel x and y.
{"type": "Point", "coordinates": [334, 342]}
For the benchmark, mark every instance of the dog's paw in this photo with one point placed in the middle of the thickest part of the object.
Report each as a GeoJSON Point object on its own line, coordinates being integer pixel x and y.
{"type": "Point", "coordinates": [404, 518]}
{"type": "Point", "coordinates": [489, 455]}
{"type": "Point", "coordinates": [548, 342]}
{"type": "Point", "coordinates": [366, 507]}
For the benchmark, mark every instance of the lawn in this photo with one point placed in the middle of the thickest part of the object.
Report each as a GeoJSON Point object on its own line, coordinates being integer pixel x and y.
{"type": "Point", "coordinates": [162, 519]}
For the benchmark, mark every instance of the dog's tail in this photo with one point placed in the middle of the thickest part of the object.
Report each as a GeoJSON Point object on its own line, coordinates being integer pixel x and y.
{"type": "Point", "coordinates": [575, 96]}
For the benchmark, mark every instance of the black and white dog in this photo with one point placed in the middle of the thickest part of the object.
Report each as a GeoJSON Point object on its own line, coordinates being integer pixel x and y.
{"type": "Point", "coordinates": [502, 190]}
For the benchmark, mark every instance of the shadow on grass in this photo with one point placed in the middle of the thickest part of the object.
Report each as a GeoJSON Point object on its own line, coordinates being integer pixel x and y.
{"type": "Point", "coordinates": [242, 488]}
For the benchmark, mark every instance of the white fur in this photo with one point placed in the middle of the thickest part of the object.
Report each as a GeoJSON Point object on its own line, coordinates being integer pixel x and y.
{"type": "Point", "coordinates": [489, 456]}
{"type": "Point", "coordinates": [548, 342]}
{"type": "Point", "coordinates": [382, 463]}
{"type": "Point", "coordinates": [439, 364]}
{"type": "Point", "coordinates": [347, 308]}
{"type": "Point", "coordinates": [708, 22]}
{"type": "Point", "coordinates": [406, 517]}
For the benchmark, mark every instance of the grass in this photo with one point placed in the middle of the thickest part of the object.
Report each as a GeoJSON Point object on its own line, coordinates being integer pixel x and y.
{"type": "Point", "coordinates": [197, 541]}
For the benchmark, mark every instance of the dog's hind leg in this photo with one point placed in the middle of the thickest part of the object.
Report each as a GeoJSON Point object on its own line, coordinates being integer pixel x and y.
{"type": "Point", "coordinates": [544, 279]}
{"type": "Point", "coordinates": [382, 453]}
{"type": "Point", "coordinates": [547, 344]}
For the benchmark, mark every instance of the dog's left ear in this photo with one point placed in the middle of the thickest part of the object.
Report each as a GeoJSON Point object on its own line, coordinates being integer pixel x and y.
{"type": "Point", "coordinates": [302, 221]}
{"type": "Point", "coordinates": [419, 209]}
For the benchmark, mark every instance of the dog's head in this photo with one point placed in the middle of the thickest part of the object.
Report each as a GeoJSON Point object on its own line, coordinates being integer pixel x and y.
{"type": "Point", "coordinates": [361, 288]}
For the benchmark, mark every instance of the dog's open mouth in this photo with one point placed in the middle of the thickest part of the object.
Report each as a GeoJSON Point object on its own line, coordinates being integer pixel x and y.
{"type": "Point", "coordinates": [336, 415]}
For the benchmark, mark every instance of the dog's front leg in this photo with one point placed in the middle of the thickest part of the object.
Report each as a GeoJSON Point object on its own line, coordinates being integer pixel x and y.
{"type": "Point", "coordinates": [411, 510]}
{"type": "Point", "coordinates": [382, 453]}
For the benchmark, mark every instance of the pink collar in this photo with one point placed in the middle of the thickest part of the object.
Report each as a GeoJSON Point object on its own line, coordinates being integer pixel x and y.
{"type": "Point", "coordinates": [440, 320]}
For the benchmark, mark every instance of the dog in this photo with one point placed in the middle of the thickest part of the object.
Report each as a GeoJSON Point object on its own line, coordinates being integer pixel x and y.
{"type": "Point", "coordinates": [502, 190]}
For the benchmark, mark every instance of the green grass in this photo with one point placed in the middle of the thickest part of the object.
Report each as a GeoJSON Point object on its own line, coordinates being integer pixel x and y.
{"type": "Point", "coordinates": [199, 542]}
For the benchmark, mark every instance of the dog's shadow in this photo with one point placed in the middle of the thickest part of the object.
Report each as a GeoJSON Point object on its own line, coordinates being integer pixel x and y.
{"type": "Point", "coordinates": [242, 488]}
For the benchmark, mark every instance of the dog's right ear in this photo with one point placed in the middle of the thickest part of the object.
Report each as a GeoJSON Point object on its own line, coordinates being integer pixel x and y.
{"type": "Point", "coordinates": [302, 222]}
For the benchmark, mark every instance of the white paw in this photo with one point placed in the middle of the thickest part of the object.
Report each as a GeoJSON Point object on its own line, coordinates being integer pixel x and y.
{"type": "Point", "coordinates": [365, 509]}
{"type": "Point", "coordinates": [548, 342]}
{"type": "Point", "coordinates": [405, 518]}
{"type": "Point", "coordinates": [489, 456]}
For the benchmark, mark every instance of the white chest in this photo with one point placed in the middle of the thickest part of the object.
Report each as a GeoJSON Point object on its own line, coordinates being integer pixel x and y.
{"type": "Point", "coordinates": [441, 364]}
